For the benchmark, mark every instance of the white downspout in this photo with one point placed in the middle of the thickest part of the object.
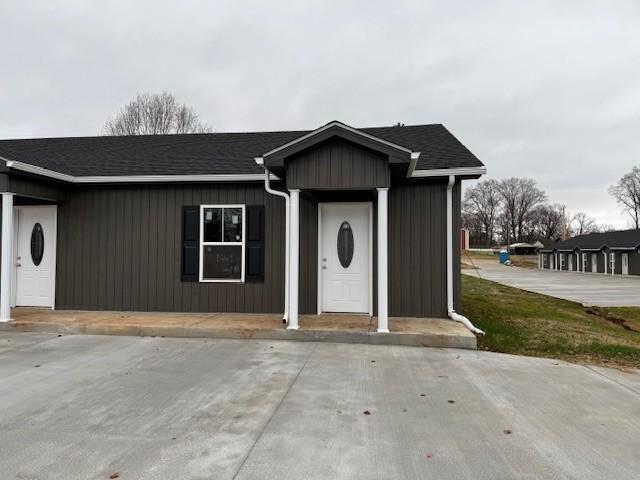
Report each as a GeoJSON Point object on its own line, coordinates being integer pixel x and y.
{"type": "Point", "coordinates": [452, 313]}
{"type": "Point", "coordinates": [278, 193]}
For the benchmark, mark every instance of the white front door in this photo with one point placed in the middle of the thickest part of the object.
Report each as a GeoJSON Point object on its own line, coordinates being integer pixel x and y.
{"type": "Point", "coordinates": [345, 258]}
{"type": "Point", "coordinates": [594, 263]}
{"type": "Point", "coordinates": [35, 256]}
{"type": "Point", "coordinates": [625, 264]}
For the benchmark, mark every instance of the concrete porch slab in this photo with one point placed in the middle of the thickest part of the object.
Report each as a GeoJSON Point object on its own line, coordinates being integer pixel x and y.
{"type": "Point", "coordinates": [418, 332]}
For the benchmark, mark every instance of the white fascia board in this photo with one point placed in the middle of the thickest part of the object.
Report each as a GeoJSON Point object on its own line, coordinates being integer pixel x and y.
{"type": "Point", "coordinates": [445, 172]}
{"type": "Point", "coordinates": [25, 167]}
{"type": "Point", "coordinates": [248, 177]}
{"type": "Point", "coordinates": [344, 127]}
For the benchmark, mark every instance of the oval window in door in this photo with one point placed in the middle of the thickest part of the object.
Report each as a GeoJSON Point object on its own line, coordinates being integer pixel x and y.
{"type": "Point", "coordinates": [37, 244]}
{"type": "Point", "coordinates": [345, 244]}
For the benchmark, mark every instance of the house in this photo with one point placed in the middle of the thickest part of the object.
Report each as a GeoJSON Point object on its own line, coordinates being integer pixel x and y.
{"type": "Point", "coordinates": [610, 253]}
{"type": "Point", "coordinates": [524, 248]}
{"type": "Point", "coordinates": [337, 219]}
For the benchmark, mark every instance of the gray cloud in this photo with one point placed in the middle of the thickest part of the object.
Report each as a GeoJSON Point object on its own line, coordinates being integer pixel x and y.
{"type": "Point", "coordinates": [543, 89]}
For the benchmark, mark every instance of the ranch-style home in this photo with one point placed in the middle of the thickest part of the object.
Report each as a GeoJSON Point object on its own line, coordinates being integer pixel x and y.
{"type": "Point", "coordinates": [337, 219]}
{"type": "Point", "coordinates": [609, 253]}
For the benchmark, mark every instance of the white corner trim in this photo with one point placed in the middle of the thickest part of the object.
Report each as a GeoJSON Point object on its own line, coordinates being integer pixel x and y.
{"type": "Point", "coordinates": [231, 177]}
{"type": "Point", "coordinates": [445, 172]}
{"type": "Point", "coordinates": [259, 160]}
{"type": "Point", "coordinates": [335, 123]}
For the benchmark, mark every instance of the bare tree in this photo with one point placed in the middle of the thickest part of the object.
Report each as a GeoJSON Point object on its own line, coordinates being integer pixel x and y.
{"type": "Point", "coordinates": [155, 114]}
{"type": "Point", "coordinates": [548, 221]}
{"type": "Point", "coordinates": [520, 196]}
{"type": "Point", "coordinates": [627, 194]}
{"type": "Point", "coordinates": [482, 204]}
{"type": "Point", "coordinates": [583, 224]}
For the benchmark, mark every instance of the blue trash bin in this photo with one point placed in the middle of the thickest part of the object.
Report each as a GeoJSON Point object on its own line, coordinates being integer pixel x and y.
{"type": "Point", "coordinates": [504, 256]}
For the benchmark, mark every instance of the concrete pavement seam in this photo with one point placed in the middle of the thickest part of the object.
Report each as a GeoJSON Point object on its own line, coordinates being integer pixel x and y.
{"type": "Point", "coordinates": [273, 414]}
{"type": "Point", "coordinates": [631, 389]}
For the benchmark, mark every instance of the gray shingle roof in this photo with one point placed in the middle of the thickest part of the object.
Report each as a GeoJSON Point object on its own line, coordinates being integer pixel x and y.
{"type": "Point", "coordinates": [622, 239]}
{"type": "Point", "coordinates": [212, 153]}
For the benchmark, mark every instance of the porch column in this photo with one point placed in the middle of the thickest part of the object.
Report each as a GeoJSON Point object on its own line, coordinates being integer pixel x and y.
{"type": "Point", "coordinates": [6, 266]}
{"type": "Point", "coordinates": [294, 261]}
{"type": "Point", "coordinates": [383, 270]}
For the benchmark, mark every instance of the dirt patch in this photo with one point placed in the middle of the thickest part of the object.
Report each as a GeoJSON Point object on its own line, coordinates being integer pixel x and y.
{"type": "Point", "coordinates": [609, 317]}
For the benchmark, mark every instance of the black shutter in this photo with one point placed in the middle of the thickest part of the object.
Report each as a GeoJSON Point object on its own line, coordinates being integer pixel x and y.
{"type": "Point", "coordinates": [254, 268]}
{"type": "Point", "coordinates": [190, 243]}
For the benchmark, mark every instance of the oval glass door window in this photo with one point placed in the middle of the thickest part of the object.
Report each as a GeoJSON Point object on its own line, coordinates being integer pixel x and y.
{"type": "Point", "coordinates": [37, 244]}
{"type": "Point", "coordinates": [345, 244]}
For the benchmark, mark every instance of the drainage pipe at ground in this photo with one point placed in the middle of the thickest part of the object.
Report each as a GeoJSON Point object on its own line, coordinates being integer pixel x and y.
{"type": "Point", "coordinates": [453, 315]}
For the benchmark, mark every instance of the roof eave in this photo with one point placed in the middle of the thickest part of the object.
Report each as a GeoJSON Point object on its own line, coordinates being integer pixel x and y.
{"type": "Point", "coordinates": [63, 177]}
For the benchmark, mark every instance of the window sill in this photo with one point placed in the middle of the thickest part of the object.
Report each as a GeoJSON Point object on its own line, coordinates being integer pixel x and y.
{"type": "Point", "coordinates": [214, 280]}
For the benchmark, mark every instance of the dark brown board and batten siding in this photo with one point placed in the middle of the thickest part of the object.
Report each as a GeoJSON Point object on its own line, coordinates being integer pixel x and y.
{"type": "Point", "coordinates": [27, 189]}
{"type": "Point", "coordinates": [119, 249]}
{"type": "Point", "coordinates": [418, 250]}
{"type": "Point", "coordinates": [337, 165]}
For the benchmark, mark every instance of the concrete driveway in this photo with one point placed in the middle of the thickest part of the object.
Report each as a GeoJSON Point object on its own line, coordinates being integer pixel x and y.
{"type": "Point", "coordinates": [586, 288]}
{"type": "Point", "coordinates": [98, 407]}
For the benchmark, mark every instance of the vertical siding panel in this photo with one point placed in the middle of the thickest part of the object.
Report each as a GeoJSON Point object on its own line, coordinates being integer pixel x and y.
{"type": "Point", "coordinates": [195, 297]}
{"type": "Point", "coordinates": [166, 258]}
{"type": "Point", "coordinates": [127, 241]}
{"type": "Point", "coordinates": [112, 260]}
{"type": "Point", "coordinates": [153, 278]}
{"type": "Point", "coordinates": [136, 264]}
{"type": "Point", "coordinates": [94, 241]}
{"type": "Point", "coordinates": [417, 283]}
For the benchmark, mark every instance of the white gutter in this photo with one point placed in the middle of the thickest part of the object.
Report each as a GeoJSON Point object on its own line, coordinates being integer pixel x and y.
{"type": "Point", "coordinates": [445, 172]}
{"type": "Point", "coordinates": [231, 177]}
{"type": "Point", "coordinates": [452, 313]}
{"type": "Point", "coordinates": [278, 193]}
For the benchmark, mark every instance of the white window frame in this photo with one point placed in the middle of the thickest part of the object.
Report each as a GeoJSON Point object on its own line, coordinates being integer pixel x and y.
{"type": "Point", "coordinates": [237, 244]}
{"type": "Point", "coordinates": [562, 261]}
{"type": "Point", "coordinates": [584, 262]}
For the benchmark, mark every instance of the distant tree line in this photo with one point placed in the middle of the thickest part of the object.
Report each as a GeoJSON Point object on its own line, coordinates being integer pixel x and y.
{"type": "Point", "coordinates": [516, 210]}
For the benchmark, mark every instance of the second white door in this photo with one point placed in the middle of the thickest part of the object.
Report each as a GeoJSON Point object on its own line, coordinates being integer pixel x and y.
{"type": "Point", "coordinates": [35, 256]}
{"type": "Point", "coordinates": [345, 257]}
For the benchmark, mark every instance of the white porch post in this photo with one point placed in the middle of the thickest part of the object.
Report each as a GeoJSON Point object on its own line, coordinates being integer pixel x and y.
{"type": "Point", "coordinates": [7, 257]}
{"type": "Point", "coordinates": [383, 271]}
{"type": "Point", "coordinates": [294, 261]}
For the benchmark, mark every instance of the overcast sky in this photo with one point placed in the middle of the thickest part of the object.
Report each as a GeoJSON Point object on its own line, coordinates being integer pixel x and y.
{"type": "Point", "coordinates": [549, 90]}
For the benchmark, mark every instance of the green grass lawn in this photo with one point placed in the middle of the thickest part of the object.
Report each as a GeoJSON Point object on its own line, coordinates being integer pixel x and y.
{"type": "Point", "coordinates": [523, 323]}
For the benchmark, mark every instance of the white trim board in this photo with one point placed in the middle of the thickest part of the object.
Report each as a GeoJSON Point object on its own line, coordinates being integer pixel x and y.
{"type": "Point", "coordinates": [332, 124]}
{"type": "Point", "coordinates": [222, 177]}
{"type": "Point", "coordinates": [231, 177]}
